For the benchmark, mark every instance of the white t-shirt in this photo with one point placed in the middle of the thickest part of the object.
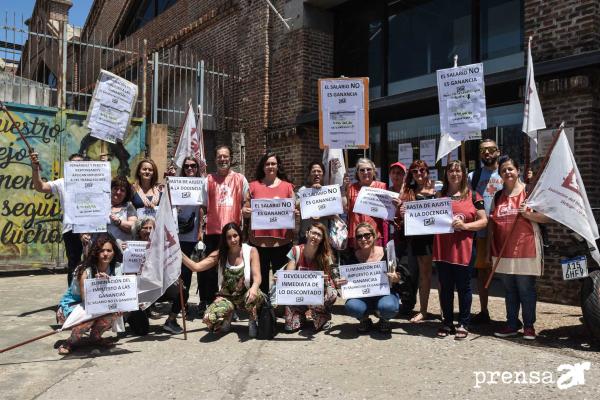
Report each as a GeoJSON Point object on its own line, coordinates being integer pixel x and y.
{"type": "Point", "coordinates": [58, 187]}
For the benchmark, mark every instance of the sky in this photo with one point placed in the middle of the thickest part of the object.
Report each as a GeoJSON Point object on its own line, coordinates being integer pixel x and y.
{"type": "Point", "coordinates": [77, 14]}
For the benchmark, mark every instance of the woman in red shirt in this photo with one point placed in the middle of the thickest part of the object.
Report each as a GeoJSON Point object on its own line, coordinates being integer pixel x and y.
{"type": "Point", "coordinates": [273, 245]}
{"type": "Point", "coordinates": [365, 174]}
{"type": "Point", "coordinates": [452, 251]}
{"type": "Point", "coordinates": [522, 259]}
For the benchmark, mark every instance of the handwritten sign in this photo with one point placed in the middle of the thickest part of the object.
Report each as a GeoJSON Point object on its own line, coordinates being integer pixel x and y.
{"type": "Point", "coordinates": [272, 214]}
{"type": "Point", "coordinates": [186, 191]}
{"type": "Point", "coordinates": [376, 203]}
{"type": "Point", "coordinates": [425, 217]}
{"type": "Point", "coordinates": [316, 203]}
{"type": "Point", "coordinates": [87, 191]}
{"type": "Point", "coordinates": [365, 280]}
{"type": "Point", "coordinates": [300, 288]}
{"type": "Point", "coordinates": [116, 294]}
{"type": "Point", "coordinates": [133, 256]}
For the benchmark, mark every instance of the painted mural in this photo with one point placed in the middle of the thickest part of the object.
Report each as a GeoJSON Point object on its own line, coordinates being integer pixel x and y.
{"type": "Point", "coordinates": [30, 222]}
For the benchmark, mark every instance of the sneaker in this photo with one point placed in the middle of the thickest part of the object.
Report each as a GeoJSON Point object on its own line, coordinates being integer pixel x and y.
{"type": "Point", "coordinates": [252, 329]}
{"type": "Point", "coordinates": [529, 333]}
{"type": "Point", "coordinates": [172, 326]}
{"type": "Point", "coordinates": [365, 325]}
{"type": "Point", "coordinates": [507, 331]}
{"type": "Point", "coordinates": [384, 326]}
{"type": "Point", "coordinates": [481, 318]}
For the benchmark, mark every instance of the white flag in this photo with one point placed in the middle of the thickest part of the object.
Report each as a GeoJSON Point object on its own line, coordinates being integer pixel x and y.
{"type": "Point", "coordinates": [162, 265]}
{"type": "Point", "coordinates": [76, 317]}
{"type": "Point", "coordinates": [560, 194]}
{"type": "Point", "coordinates": [533, 118]}
{"type": "Point", "coordinates": [335, 167]}
{"type": "Point", "coordinates": [447, 144]}
{"type": "Point", "coordinates": [188, 140]}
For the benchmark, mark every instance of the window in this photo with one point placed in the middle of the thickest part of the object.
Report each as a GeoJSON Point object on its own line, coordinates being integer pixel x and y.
{"type": "Point", "coordinates": [142, 12]}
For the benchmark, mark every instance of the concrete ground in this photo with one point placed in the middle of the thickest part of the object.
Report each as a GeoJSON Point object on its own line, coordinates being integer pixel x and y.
{"type": "Point", "coordinates": [409, 363]}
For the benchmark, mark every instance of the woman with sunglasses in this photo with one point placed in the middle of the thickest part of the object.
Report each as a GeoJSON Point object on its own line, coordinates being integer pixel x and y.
{"type": "Point", "coordinates": [273, 245]}
{"type": "Point", "coordinates": [385, 306]}
{"type": "Point", "coordinates": [418, 186]}
{"type": "Point", "coordinates": [315, 255]}
{"type": "Point", "coordinates": [452, 251]}
{"type": "Point", "coordinates": [365, 174]}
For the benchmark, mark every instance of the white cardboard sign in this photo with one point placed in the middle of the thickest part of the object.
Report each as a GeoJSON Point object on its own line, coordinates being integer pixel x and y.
{"type": "Point", "coordinates": [405, 154]}
{"type": "Point", "coordinates": [133, 256]}
{"type": "Point", "coordinates": [425, 217]}
{"type": "Point", "coordinates": [272, 214]}
{"type": "Point", "coordinates": [427, 151]}
{"type": "Point", "coordinates": [186, 191]}
{"type": "Point", "coordinates": [365, 280]}
{"type": "Point", "coordinates": [316, 203]}
{"type": "Point", "coordinates": [116, 294]}
{"type": "Point", "coordinates": [87, 192]}
{"type": "Point", "coordinates": [300, 288]}
{"type": "Point", "coordinates": [376, 203]}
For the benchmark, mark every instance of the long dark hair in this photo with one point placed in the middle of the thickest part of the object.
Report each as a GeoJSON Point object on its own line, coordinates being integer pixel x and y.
{"type": "Point", "coordinates": [464, 188]}
{"type": "Point", "coordinates": [91, 261]}
{"type": "Point", "coordinates": [324, 254]}
{"type": "Point", "coordinates": [223, 246]}
{"type": "Point", "coordinates": [310, 167]}
{"type": "Point", "coordinates": [260, 168]}
{"type": "Point", "coordinates": [190, 158]}
{"type": "Point", "coordinates": [410, 185]}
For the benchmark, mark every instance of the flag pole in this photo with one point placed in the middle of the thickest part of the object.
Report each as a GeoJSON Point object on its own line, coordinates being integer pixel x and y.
{"type": "Point", "coordinates": [534, 182]}
{"type": "Point", "coordinates": [526, 139]}
{"type": "Point", "coordinates": [463, 153]}
{"type": "Point", "coordinates": [183, 316]}
{"type": "Point", "coordinates": [15, 125]}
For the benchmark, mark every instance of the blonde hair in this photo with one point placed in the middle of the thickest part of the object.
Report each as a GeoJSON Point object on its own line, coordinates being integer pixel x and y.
{"type": "Point", "coordinates": [369, 227]}
{"type": "Point", "coordinates": [365, 160]}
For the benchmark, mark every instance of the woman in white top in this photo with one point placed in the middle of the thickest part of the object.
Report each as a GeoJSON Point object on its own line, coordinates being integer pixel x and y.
{"type": "Point", "coordinates": [239, 280]}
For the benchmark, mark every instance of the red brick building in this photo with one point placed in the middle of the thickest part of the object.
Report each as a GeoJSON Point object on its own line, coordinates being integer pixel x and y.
{"type": "Point", "coordinates": [399, 45]}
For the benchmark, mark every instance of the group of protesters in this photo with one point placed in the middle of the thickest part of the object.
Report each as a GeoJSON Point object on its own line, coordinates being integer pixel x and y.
{"type": "Point", "coordinates": [238, 267]}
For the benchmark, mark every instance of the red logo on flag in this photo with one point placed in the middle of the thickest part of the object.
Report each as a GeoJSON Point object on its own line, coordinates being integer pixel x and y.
{"type": "Point", "coordinates": [571, 183]}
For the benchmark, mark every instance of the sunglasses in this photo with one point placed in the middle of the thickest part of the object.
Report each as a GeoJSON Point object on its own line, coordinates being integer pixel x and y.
{"type": "Point", "coordinates": [190, 166]}
{"type": "Point", "coordinates": [488, 150]}
{"type": "Point", "coordinates": [364, 236]}
{"type": "Point", "coordinates": [419, 170]}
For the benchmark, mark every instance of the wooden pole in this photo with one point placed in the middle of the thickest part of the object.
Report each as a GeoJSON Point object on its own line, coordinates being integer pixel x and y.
{"type": "Point", "coordinates": [182, 308]}
{"type": "Point", "coordinates": [534, 182]}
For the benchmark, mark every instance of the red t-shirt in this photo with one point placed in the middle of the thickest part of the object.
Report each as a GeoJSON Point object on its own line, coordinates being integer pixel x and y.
{"type": "Point", "coordinates": [456, 248]}
{"type": "Point", "coordinates": [225, 198]}
{"type": "Point", "coordinates": [521, 244]}
{"type": "Point", "coordinates": [284, 190]}
{"type": "Point", "coordinates": [380, 225]}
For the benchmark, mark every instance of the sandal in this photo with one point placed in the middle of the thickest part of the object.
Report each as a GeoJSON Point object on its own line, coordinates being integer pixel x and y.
{"type": "Point", "coordinates": [419, 317]}
{"type": "Point", "coordinates": [461, 333]}
{"type": "Point", "coordinates": [444, 331]}
{"type": "Point", "coordinates": [65, 349]}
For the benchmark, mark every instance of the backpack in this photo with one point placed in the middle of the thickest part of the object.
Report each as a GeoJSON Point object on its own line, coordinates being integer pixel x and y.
{"type": "Point", "coordinates": [267, 321]}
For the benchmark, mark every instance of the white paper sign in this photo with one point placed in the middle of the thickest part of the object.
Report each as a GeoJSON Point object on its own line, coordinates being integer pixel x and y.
{"type": "Point", "coordinates": [78, 228]}
{"type": "Point", "coordinates": [87, 192]}
{"type": "Point", "coordinates": [427, 151]}
{"type": "Point", "coordinates": [316, 203]}
{"type": "Point", "coordinates": [343, 113]}
{"type": "Point", "coordinates": [574, 268]}
{"type": "Point", "coordinates": [300, 288]}
{"type": "Point", "coordinates": [272, 214]}
{"type": "Point", "coordinates": [376, 203]}
{"type": "Point", "coordinates": [365, 280]}
{"type": "Point", "coordinates": [405, 154]}
{"type": "Point", "coordinates": [425, 217]}
{"type": "Point", "coordinates": [186, 191]}
{"type": "Point", "coordinates": [133, 256]}
{"type": "Point", "coordinates": [461, 97]}
{"type": "Point", "coordinates": [116, 294]}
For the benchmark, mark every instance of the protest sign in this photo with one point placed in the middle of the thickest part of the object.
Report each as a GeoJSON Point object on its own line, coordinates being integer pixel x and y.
{"type": "Point", "coordinates": [87, 192]}
{"type": "Point", "coordinates": [79, 228]}
{"type": "Point", "coordinates": [461, 97]}
{"type": "Point", "coordinates": [186, 191]}
{"type": "Point", "coordinates": [272, 214]}
{"type": "Point", "coordinates": [111, 107]}
{"type": "Point", "coordinates": [405, 154]}
{"type": "Point", "coordinates": [453, 156]}
{"type": "Point", "coordinates": [300, 288]}
{"type": "Point", "coordinates": [365, 280]}
{"type": "Point", "coordinates": [344, 113]}
{"type": "Point", "coordinates": [133, 256]}
{"type": "Point", "coordinates": [427, 151]}
{"type": "Point", "coordinates": [116, 294]}
{"type": "Point", "coordinates": [316, 203]}
{"type": "Point", "coordinates": [376, 203]}
{"type": "Point", "coordinates": [426, 217]}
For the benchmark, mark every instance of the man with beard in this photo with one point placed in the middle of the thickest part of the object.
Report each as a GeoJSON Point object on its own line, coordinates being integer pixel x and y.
{"type": "Point", "coordinates": [486, 181]}
{"type": "Point", "coordinates": [225, 194]}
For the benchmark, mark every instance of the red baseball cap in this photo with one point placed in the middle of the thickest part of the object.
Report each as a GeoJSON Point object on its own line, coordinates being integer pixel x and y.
{"type": "Point", "coordinates": [400, 165]}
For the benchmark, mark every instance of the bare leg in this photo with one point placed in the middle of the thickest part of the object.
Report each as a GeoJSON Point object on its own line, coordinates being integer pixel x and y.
{"type": "Point", "coordinates": [425, 263]}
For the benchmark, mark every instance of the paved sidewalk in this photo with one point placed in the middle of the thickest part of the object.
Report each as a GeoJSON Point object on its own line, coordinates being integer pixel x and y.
{"type": "Point", "coordinates": [409, 363]}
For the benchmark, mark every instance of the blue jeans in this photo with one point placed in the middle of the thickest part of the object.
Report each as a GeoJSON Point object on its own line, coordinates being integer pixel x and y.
{"type": "Point", "coordinates": [519, 290]}
{"type": "Point", "coordinates": [386, 306]}
{"type": "Point", "coordinates": [455, 276]}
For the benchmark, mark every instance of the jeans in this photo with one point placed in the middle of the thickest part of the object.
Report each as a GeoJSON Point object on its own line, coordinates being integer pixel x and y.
{"type": "Point", "coordinates": [519, 290]}
{"type": "Point", "coordinates": [386, 306]}
{"type": "Point", "coordinates": [271, 259]}
{"type": "Point", "coordinates": [451, 276]}
{"type": "Point", "coordinates": [73, 249]}
{"type": "Point", "coordinates": [208, 281]}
